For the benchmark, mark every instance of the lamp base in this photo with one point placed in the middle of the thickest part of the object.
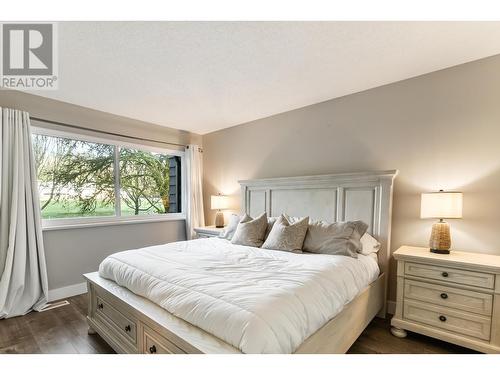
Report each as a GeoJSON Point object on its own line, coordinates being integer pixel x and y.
{"type": "Point", "coordinates": [440, 241]}
{"type": "Point", "coordinates": [219, 219]}
{"type": "Point", "coordinates": [437, 251]}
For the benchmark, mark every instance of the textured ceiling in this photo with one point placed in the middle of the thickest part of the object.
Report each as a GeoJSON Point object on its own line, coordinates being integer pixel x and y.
{"type": "Point", "coordinates": [205, 76]}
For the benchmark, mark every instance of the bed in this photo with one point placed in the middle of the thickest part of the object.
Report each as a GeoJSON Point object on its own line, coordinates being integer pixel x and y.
{"type": "Point", "coordinates": [200, 296]}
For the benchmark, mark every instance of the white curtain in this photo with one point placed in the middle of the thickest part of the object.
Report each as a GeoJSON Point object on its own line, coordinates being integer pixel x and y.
{"type": "Point", "coordinates": [194, 170]}
{"type": "Point", "coordinates": [23, 273]}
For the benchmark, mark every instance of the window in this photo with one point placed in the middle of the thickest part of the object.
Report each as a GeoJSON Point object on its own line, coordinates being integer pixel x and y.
{"type": "Point", "coordinates": [83, 180]}
{"type": "Point", "coordinates": [149, 182]}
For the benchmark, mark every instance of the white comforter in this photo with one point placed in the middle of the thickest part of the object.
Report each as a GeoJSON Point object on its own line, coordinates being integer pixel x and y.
{"type": "Point", "coordinates": [260, 301]}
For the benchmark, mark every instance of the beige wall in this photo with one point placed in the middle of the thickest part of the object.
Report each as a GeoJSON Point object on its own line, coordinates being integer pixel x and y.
{"type": "Point", "coordinates": [72, 252]}
{"type": "Point", "coordinates": [441, 130]}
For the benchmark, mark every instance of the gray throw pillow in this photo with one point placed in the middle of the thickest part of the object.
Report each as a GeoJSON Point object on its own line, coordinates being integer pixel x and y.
{"type": "Point", "coordinates": [250, 232]}
{"type": "Point", "coordinates": [285, 236]}
{"type": "Point", "coordinates": [341, 238]}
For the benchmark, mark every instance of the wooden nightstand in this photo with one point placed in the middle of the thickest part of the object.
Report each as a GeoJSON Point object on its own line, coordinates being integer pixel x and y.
{"type": "Point", "coordinates": [210, 231]}
{"type": "Point", "coordinates": [453, 297]}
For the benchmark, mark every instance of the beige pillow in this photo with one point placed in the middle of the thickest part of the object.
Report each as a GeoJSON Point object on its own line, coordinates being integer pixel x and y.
{"type": "Point", "coordinates": [285, 236]}
{"type": "Point", "coordinates": [271, 220]}
{"type": "Point", "coordinates": [250, 232]}
{"type": "Point", "coordinates": [342, 238]}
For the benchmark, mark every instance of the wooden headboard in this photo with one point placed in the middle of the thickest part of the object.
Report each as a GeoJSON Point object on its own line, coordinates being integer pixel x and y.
{"type": "Point", "coordinates": [363, 196]}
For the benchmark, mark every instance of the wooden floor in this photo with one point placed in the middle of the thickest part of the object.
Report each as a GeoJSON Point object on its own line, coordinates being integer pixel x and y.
{"type": "Point", "coordinates": [64, 330]}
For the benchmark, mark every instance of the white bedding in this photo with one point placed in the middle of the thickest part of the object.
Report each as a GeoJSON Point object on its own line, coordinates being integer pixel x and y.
{"type": "Point", "coordinates": [260, 301]}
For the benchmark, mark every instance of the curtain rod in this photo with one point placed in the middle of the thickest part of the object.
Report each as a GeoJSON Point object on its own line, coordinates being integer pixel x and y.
{"type": "Point", "coordinates": [104, 132]}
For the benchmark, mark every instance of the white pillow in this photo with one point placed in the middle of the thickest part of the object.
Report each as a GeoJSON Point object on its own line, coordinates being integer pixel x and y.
{"type": "Point", "coordinates": [228, 233]}
{"type": "Point", "coordinates": [369, 245]}
{"type": "Point", "coordinates": [270, 223]}
{"type": "Point", "coordinates": [294, 219]}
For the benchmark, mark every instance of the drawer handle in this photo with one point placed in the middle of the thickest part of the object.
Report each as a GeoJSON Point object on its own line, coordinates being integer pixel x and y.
{"type": "Point", "coordinates": [100, 306]}
{"type": "Point", "coordinates": [127, 328]}
{"type": "Point", "coordinates": [152, 349]}
{"type": "Point", "coordinates": [444, 274]}
{"type": "Point", "coordinates": [442, 318]}
{"type": "Point", "coordinates": [444, 295]}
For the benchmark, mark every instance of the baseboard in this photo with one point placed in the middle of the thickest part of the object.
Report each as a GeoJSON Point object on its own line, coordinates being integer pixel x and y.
{"type": "Point", "coordinates": [67, 291]}
{"type": "Point", "coordinates": [391, 307]}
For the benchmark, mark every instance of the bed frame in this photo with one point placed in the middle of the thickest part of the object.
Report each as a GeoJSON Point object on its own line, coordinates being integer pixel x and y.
{"type": "Point", "coordinates": [132, 324]}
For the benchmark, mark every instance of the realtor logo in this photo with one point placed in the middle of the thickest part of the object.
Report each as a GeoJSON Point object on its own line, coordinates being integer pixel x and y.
{"type": "Point", "coordinates": [28, 56]}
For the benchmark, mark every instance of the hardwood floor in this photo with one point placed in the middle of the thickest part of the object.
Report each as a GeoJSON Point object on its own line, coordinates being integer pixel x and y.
{"type": "Point", "coordinates": [64, 330]}
{"type": "Point", "coordinates": [377, 339]}
{"type": "Point", "coordinates": [61, 330]}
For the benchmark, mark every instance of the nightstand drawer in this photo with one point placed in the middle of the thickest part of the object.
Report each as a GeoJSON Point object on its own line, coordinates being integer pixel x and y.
{"type": "Point", "coordinates": [448, 319]}
{"type": "Point", "coordinates": [454, 275]}
{"type": "Point", "coordinates": [466, 300]}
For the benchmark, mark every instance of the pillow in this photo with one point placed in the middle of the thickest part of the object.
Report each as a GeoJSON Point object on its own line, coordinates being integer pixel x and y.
{"type": "Point", "coordinates": [293, 219]}
{"type": "Point", "coordinates": [285, 236]}
{"type": "Point", "coordinates": [271, 220]}
{"type": "Point", "coordinates": [369, 245]}
{"type": "Point", "coordinates": [270, 223]}
{"type": "Point", "coordinates": [250, 232]}
{"type": "Point", "coordinates": [228, 232]}
{"type": "Point", "coordinates": [341, 238]}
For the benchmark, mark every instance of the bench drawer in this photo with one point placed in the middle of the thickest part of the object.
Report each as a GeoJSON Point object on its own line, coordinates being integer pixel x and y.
{"type": "Point", "coordinates": [466, 300]}
{"type": "Point", "coordinates": [153, 343]}
{"type": "Point", "coordinates": [125, 325]}
{"type": "Point", "coordinates": [448, 319]}
{"type": "Point", "coordinates": [454, 275]}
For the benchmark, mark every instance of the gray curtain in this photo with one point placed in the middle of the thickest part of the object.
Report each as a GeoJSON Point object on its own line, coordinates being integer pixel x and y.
{"type": "Point", "coordinates": [23, 273]}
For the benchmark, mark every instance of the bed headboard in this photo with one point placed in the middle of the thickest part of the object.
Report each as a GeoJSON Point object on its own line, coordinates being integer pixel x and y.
{"type": "Point", "coordinates": [363, 196]}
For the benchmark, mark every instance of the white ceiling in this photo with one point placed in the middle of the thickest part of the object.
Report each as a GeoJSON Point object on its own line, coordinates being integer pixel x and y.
{"type": "Point", "coordinates": [205, 76]}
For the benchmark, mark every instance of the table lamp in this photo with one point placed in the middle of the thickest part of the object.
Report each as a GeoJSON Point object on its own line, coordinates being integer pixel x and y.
{"type": "Point", "coordinates": [219, 202]}
{"type": "Point", "coordinates": [441, 205]}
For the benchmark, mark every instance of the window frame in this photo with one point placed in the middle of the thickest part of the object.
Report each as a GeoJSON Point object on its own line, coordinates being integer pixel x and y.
{"type": "Point", "coordinates": [117, 219]}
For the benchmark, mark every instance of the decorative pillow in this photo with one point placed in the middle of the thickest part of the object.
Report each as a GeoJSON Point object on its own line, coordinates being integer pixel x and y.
{"type": "Point", "coordinates": [342, 238]}
{"type": "Point", "coordinates": [369, 245]}
{"type": "Point", "coordinates": [228, 233]}
{"type": "Point", "coordinates": [271, 220]}
{"type": "Point", "coordinates": [285, 236]}
{"type": "Point", "coordinates": [250, 232]}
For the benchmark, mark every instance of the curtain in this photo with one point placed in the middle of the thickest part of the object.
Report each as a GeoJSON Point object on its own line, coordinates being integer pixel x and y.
{"type": "Point", "coordinates": [194, 170]}
{"type": "Point", "coordinates": [23, 273]}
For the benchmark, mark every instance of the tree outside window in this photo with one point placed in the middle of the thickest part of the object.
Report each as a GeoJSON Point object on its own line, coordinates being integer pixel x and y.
{"type": "Point", "coordinates": [77, 179]}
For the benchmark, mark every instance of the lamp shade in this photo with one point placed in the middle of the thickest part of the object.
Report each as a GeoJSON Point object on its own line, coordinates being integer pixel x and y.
{"type": "Point", "coordinates": [441, 205]}
{"type": "Point", "coordinates": [219, 202]}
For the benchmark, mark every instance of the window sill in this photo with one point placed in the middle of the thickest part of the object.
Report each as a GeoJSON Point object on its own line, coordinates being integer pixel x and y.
{"type": "Point", "coordinates": [49, 225]}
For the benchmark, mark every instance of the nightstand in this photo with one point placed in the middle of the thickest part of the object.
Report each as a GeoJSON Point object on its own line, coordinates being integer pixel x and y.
{"type": "Point", "coordinates": [210, 231]}
{"type": "Point", "coordinates": [452, 297]}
